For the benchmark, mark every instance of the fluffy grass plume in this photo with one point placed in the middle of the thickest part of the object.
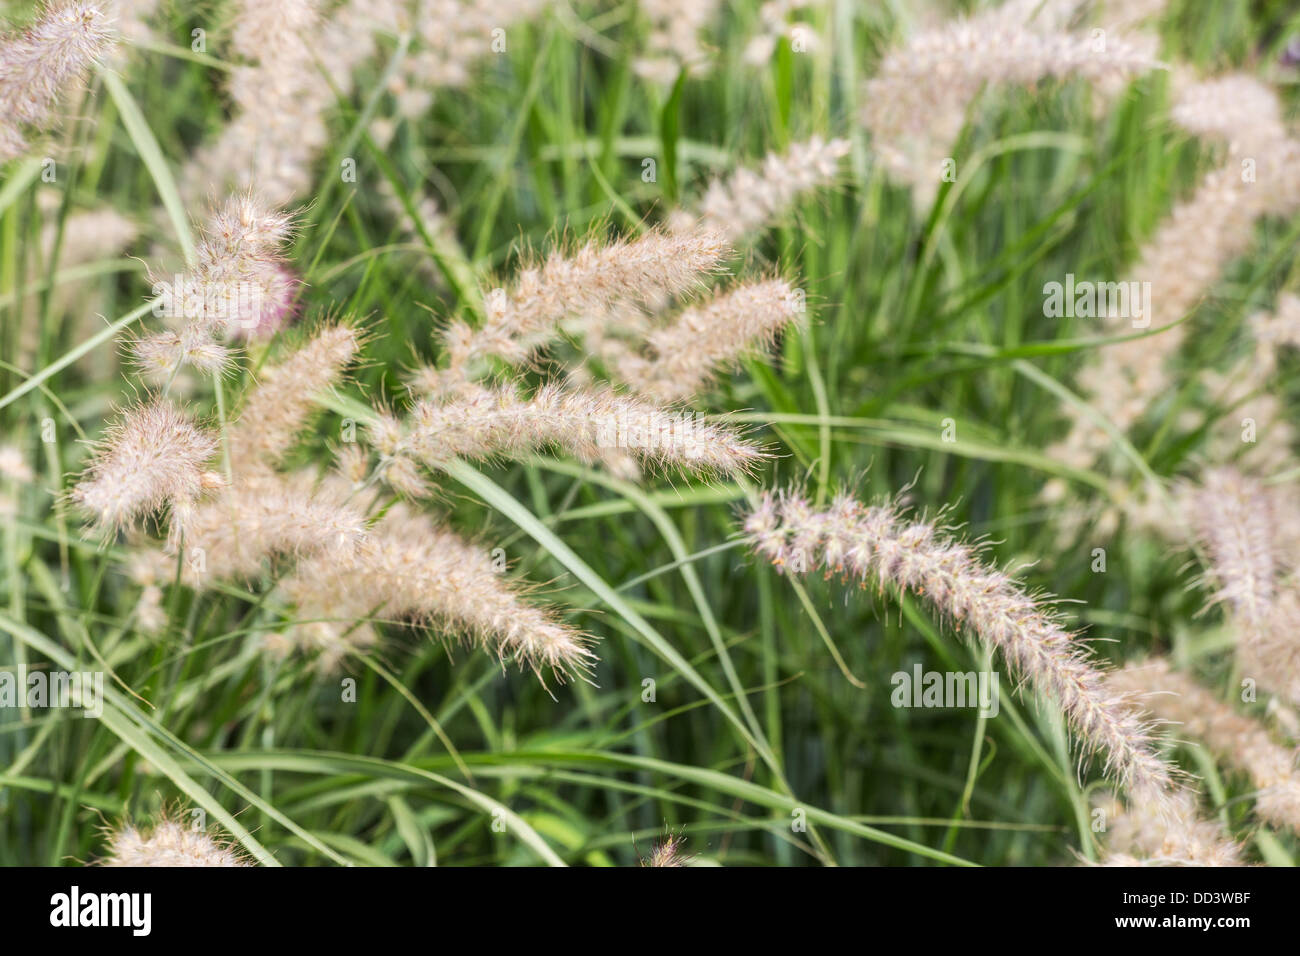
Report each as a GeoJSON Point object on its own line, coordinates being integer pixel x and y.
{"type": "Point", "coordinates": [880, 545]}
{"type": "Point", "coordinates": [1242, 743]}
{"type": "Point", "coordinates": [168, 842]}
{"type": "Point", "coordinates": [522, 317]}
{"type": "Point", "coordinates": [38, 64]}
{"type": "Point", "coordinates": [154, 457]}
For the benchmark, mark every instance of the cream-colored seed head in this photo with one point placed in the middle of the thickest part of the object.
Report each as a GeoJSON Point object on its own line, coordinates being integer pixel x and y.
{"type": "Point", "coordinates": [683, 355]}
{"type": "Point", "coordinates": [153, 457]}
{"type": "Point", "coordinates": [669, 851]}
{"type": "Point", "coordinates": [411, 569]}
{"type": "Point", "coordinates": [239, 288]}
{"type": "Point", "coordinates": [773, 19]}
{"type": "Point", "coordinates": [1245, 528]}
{"type": "Point", "coordinates": [257, 519]}
{"type": "Point", "coordinates": [1246, 394]}
{"type": "Point", "coordinates": [917, 101]}
{"type": "Point", "coordinates": [497, 422]}
{"type": "Point", "coordinates": [452, 37]}
{"type": "Point", "coordinates": [280, 99]}
{"type": "Point", "coordinates": [278, 407]}
{"type": "Point", "coordinates": [882, 546]}
{"type": "Point", "coordinates": [338, 570]}
{"type": "Point", "coordinates": [36, 66]}
{"type": "Point", "coordinates": [1175, 834]}
{"type": "Point", "coordinates": [674, 43]}
{"type": "Point", "coordinates": [753, 199]}
{"type": "Point", "coordinates": [1189, 251]}
{"type": "Point", "coordinates": [13, 465]}
{"type": "Point", "coordinates": [169, 843]}
{"type": "Point", "coordinates": [1237, 740]}
{"type": "Point", "coordinates": [520, 319]}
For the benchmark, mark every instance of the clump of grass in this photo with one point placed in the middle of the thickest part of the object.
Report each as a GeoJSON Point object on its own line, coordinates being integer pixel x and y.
{"type": "Point", "coordinates": [537, 454]}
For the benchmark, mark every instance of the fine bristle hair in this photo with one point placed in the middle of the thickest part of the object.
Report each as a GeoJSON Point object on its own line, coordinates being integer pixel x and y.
{"type": "Point", "coordinates": [749, 200]}
{"type": "Point", "coordinates": [1189, 251]}
{"type": "Point", "coordinates": [379, 380]}
{"type": "Point", "coordinates": [1140, 834]}
{"type": "Point", "coordinates": [674, 44]}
